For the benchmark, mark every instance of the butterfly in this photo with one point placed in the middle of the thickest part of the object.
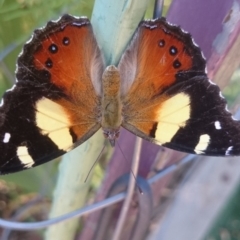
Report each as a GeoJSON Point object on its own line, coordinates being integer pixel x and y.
{"type": "Point", "coordinates": [64, 93]}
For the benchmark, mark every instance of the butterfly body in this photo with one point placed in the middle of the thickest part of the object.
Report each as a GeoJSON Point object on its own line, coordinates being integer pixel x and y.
{"type": "Point", "coordinates": [111, 104]}
{"type": "Point", "coordinates": [64, 93]}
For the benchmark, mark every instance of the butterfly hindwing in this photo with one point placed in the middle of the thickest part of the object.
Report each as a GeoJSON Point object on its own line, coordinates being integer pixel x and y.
{"type": "Point", "coordinates": [48, 112]}
{"type": "Point", "coordinates": [208, 128]}
{"type": "Point", "coordinates": [179, 107]}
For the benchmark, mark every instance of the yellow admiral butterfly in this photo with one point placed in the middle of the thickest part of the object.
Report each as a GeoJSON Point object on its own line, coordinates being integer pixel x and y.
{"type": "Point", "coordinates": [64, 93]}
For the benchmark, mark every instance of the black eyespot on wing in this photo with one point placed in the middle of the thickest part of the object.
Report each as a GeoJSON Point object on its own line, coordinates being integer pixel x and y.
{"type": "Point", "coordinates": [173, 51]}
{"type": "Point", "coordinates": [53, 48]}
{"type": "Point", "coordinates": [176, 64]}
{"type": "Point", "coordinates": [66, 41]}
{"type": "Point", "coordinates": [161, 43]}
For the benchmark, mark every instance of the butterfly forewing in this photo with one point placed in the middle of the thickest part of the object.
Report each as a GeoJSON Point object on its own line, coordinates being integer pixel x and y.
{"type": "Point", "coordinates": [49, 110]}
{"type": "Point", "coordinates": [170, 101]}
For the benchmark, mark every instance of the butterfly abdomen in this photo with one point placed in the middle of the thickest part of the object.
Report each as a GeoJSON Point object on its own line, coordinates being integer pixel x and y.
{"type": "Point", "coordinates": [111, 103]}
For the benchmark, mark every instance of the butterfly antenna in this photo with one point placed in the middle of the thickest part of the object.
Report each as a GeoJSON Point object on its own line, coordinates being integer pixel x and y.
{"type": "Point", "coordinates": [95, 162]}
{"type": "Point", "coordinates": [139, 189]}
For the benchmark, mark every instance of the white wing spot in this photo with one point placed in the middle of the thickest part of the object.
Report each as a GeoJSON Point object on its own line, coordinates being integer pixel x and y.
{"type": "Point", "coordinates": [24, 157]}
{"type": "Point", "coordinates": [221, 96]}
{"type": "Point", "coordinates": [202, 144]}
{"type": "Point", "coordinates": [228, 150]}
{"type": "Point", "coordinates": [7, 137]}
{"type": "Point", "coordinates": [218, 125]}
{"type": "Point", "coordinates": [2, 102]}
{"type": "Point", "coordinates": [12, 88]}
{"type": "Point", "coordinates": [210, 81]}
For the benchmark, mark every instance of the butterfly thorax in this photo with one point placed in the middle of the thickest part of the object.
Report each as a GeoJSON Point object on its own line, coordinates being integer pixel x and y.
{"type": "Point", "coordinates": [111, 104]}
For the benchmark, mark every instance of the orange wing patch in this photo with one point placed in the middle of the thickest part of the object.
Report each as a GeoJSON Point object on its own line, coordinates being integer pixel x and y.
{"type": "Point", "coordinates": [68, 59]}
{"type": "Point", "coordinates": [161, 56]}
{"type": "Point", "coordinates": [156, 56]}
